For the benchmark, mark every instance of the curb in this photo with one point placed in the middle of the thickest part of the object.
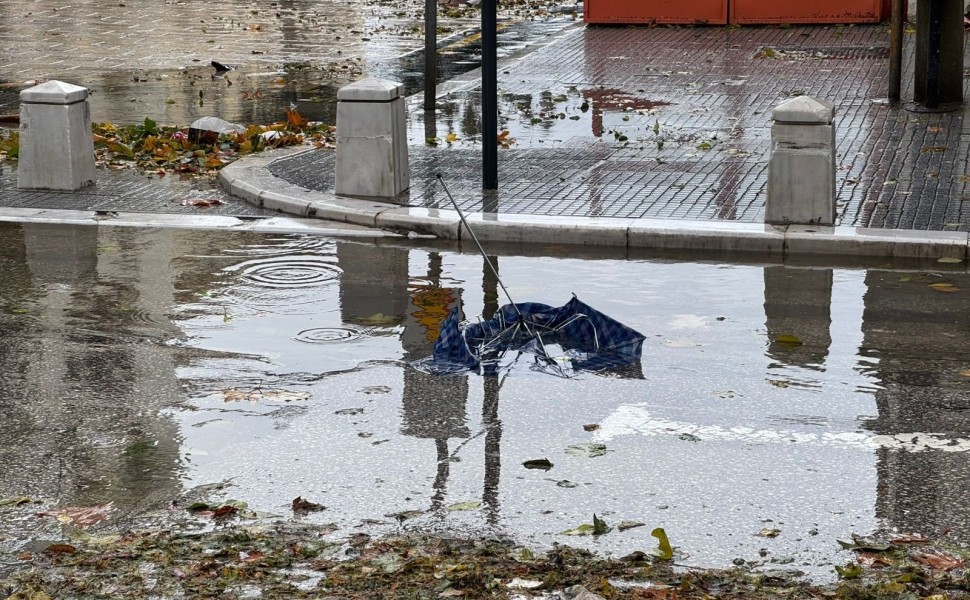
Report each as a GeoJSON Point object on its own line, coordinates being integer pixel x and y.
{"type": "Point", "coordinates": [250, 179]}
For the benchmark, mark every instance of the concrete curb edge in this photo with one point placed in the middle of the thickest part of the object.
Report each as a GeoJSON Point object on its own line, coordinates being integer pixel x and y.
{"type": "Point", "coordinates": [250, 179]}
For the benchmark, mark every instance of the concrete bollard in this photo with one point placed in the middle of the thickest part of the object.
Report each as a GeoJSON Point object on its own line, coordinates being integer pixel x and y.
{"type": "Point", "coordinates": [56, 145]}
{"type": "Point", "coordinates": [372, 150]}
{"type": "Point", "coordinates": [801, 170]}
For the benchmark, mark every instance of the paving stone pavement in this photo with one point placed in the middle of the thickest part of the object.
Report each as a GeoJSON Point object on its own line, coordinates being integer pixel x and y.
{"type": "Point", "coordinates": [675, 123]}
{"type": "Point", "coordinates": [127, 190]}
{"type": "Point", "coordinates": [663, 122]}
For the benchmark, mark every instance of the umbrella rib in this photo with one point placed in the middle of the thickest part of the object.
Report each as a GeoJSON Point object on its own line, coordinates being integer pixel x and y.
{"type": "Point", "coordinates": [481, 250]}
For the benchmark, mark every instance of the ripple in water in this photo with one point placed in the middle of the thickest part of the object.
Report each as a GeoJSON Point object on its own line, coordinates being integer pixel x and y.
{"type": "Point", "coordinates": [288, 271]}
{"type": "Point", "coordinates": [287, 245]}
{"type": "Point", "coordinates": [329, 335]}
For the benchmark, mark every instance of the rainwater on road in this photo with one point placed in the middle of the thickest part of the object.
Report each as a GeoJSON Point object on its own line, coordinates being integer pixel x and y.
{"type": "Point", "coordinates": [776, 409]}
{"type": "Point", "coordinates": [155, 59]}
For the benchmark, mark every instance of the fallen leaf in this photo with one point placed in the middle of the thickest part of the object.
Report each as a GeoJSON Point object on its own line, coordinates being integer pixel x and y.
{"type": "Point", "coordinates": [940, 561]}
{"type": "Point", "coordinates": [873, 560]}
{"type": "Point", "coordinates": [80, 516]}
{"type": "Point", "coordinates": [523, 584]}
{"type": "Point", "coordinates": [301, 505]}
{"type": "Point", "coordinates": [624, 525]}
{"type": "Point", "coordinates": [538, 463]}
{"type": "Point", "coordinates": [849, 571]}
{"type": "Point", "coordinates": [584, 529]}
{"type": "Point", "coordinates": [470, 505]}
{"type": "Point", "coordinates": [295, 119]}
{"type": "Point", "coordinates": [664, 550]}
{"type": "Point", "coordinates": [60, 549]}
{"type": "Point", "coordinates": [599, 526]}
{"type": "Point", "coordinates": [405, 514]}
{"type": "Point", "coordinates": [788, 340]}
{"type": "Point", "coordinates": [949, 260]}
{"type": "Point", "coordinates": [914, 538]}
{"type": "Point", "coordinates": [862, 544]}
{"type": "Point", "coordinates": [256, 395]}
{"type": "Point", "coordinates": [14, 501]}
{"type": "Point", "coordinates": [591, 427]}
{"type": "Point", "coordinates": [933, 149]}
{"type": "Point", "coordinates": [769, 532]}
{"type": "Point", "coordinates": [944, 287]}
{"type": "Point", "coordinates": [202, 202]}
{"type": "Point", "coordinates": [589, 449]}
{"type": "Point", "coordinates": [214, 162]}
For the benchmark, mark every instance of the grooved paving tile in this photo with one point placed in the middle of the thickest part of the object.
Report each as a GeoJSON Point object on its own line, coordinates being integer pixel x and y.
{"type": "Point", "coordinates": [669, 122]}
{"type": "Point", "coordinates": [128, 191]}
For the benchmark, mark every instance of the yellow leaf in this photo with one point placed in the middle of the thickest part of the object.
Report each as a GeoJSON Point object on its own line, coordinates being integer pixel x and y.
{"type": "Point", "coordinates": [944, 287]}
{"type": "Point", "coordinates": [451, 138]}
{"type": "Point", "coordinates": [788, 340]}
{"type": "Point", "coordinates": [664, 551]}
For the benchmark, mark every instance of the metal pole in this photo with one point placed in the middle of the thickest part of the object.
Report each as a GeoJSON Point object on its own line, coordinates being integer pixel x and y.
{"type": "Point", "coordinates": [489, 96]}
{"type": "Point", "coordinates": [896, 51]}
{"type": "Point", "coordinates": [481, 249]}
{"type": "Point", "coordinates": [935, 47]}
{"type": "Point", "coordinates": [430, 53]}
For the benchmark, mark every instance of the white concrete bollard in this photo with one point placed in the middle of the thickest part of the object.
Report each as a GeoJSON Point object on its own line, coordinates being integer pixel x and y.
{"type": "Point", "coordinates": [372, 149]}
{"type": "Point", "coordinates": [56, 145]}
{"type": "Point", "coordinates": [801, 170]}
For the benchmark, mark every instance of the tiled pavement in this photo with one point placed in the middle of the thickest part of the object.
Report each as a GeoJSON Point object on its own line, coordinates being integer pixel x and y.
{"type": "Point", "coordinates": [665, 122]}
{"type": "Point", "coordinates": [129, 191]}
{"type": "Point", "coordinates": [693, 105]}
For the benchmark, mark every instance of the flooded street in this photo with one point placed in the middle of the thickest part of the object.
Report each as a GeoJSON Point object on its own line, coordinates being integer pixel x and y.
{"type": "Point", "coordinates": [155, 60]}
{"type": "Point", "coordinates": [775, 409]}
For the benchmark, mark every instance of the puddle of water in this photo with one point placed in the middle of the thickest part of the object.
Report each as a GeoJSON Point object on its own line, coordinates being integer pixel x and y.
{"type": "Point", "coordinates": [282, 55]}
{"type": "Point", "coordinates": [818, 401]}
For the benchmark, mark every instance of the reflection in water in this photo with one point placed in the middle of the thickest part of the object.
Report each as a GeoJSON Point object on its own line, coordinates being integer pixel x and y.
{"type": "Point", "coordinates": [203, 385]}
{"type": "Point", "coordinates": [920, 336]}
{"type": "Point", "coordinates": [78, 357]}
{"type": "Point", "coordinates": [797, 316]}
{"type": "Point", "coordinates": [432, 407]}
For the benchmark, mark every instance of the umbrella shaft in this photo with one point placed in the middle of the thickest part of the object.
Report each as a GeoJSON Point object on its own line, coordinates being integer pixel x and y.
{"type": "Point", "coordinates": [471, 232]}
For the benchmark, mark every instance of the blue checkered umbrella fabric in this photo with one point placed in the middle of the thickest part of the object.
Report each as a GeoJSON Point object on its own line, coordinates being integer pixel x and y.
{"type": "Point", "coordinates": [592, 340]}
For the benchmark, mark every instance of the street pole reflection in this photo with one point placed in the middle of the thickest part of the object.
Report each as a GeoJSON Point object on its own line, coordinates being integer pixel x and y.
{"type": "Point", "coordinates": [490, 418]}
{"type": "Point", "coordinates": [433, 405]}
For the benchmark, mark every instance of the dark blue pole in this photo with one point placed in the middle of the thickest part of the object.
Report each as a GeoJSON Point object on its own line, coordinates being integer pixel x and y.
{"type": "Point", "coordinates": [489, 96]}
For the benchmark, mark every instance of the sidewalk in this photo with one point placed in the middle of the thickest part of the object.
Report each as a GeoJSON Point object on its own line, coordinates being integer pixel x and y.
{"type": "Point", "coordinates": [659, 137]}
{"type": "Point", "coordinates": [648, 137]}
